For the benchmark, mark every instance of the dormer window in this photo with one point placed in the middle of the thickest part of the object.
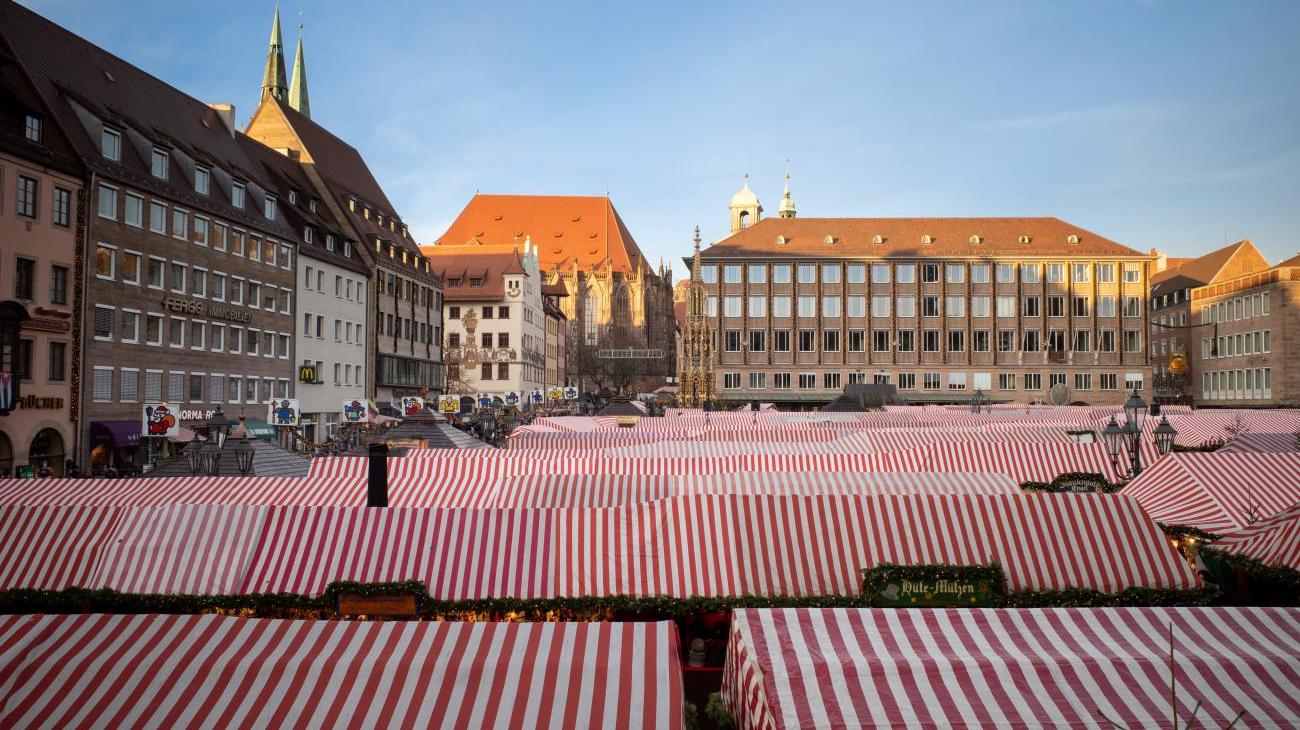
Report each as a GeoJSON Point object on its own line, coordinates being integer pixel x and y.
{"type": "Point", "coordinates": [352, 204]}
{"type": "Point", "coordinates": [306, 234]}
{"type": "Point", "coordinates": [1024, 239]}
{"type": "Point", "coordinates": [161, 160]}
{"type": "Point", "coordinates": [780, 240]}
{"type": "Point", "coordinates": [877, 239]}
{"type": "Point", "coordinates": [293, 197]}
{"type": "Point", "coordinates": [329, 241]}
{"type": "Point", "coordinates": [829, 240]}
{"type": "Point", "coordinates": [110, 144]}
{"type": "Point", "coordinates": [237, 195]}
{"type": "Point", "coordinates": [976, 240]}
{"type": "Point", "coordinates": [476, 282]}
{"type": "Point", "coordinates": [311, 205]}
{"type": "Point", "coordinates": [32, 129]}
{"type": "Point", "coordinates": [454, 282]}
{"type": "Point", "coordinates": [269, 207]}
{"type": "Point", "coordinates": [1072, 238]}
{"type": "Point", "coordinates": [927, 239]}
{"type": "Point", "coordinates": [201, 180]}
{"type": "Point", "coordinates": [347, 249]}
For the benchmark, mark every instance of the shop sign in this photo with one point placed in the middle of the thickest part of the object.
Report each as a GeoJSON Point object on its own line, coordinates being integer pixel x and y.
{"type": "Point", "coordinates": [158, 420]}
{"type": "Point", "coordinates": [353, 604]}
{"type": "Point", "coordinates": [571, 393]}
{"type": "Point", "coordinates": [484, 400]}
{"type": "Point", "coordinates": [283, 412]}
{"type": "Point", "coordinates": [205, 309]}
{"type": "Point", "coordinates": [537, 396]}
{"type": "Point", "coordinates": [936, 593]}
{"type": "Point", "coordinates": [307, 373]}
{"type": "Point", "coordinates": [512, 397]}
{"type": "Point", "coordinates": [35, 403]}
{"type": "Point", "coordinates": [359, 410]}
{"type": "Point", "coordinates": [412, 404]}
{"type": "Point", "coordinates": [555, 393]}
{"type": "Point", "coordinates": [195, 414]}
{"type": "Point", "coordinates": [1077, 486]}
{"type": "Point", "coordinates": [449, 404]}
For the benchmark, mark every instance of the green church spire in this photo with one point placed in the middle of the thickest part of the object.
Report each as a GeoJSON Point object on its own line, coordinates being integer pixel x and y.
{"type": "Point", "coordinates": [273, 76]}
{"type": "Point", "coordinates": [298, 85]}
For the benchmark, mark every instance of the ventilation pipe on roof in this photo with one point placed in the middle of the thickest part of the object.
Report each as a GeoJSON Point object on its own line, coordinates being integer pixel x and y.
{"type": "Point", "coordinates": [377, 476]}
{"type": "Point", "coordinates": [227, 114]}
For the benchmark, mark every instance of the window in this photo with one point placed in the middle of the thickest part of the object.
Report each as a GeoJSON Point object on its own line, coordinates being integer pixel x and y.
{"type": "Point", "coordinates": [905, 306]}
{"type": "Point", "coordinates": [159, 166]}
{"type": "Point", "coordinates": [979, 340]}
{"type": "Point", "coordinates": [880, 273]}
{"type": "Point", "coordinates": [1055, 273]}
{"type": "Point", "coordinates": [1006, 340]}
{"type": "Point", "coordinates": [1083, 381]}
{"type": "Point", "coordinates": [27, 196]}
{"type": "Point", "coordinates": [807, 340]}
{"type": "Point", "coordinates": [930, 341]}
{"type": "Point", "coordinates": [176, 332]}
{"type": "Point", "coordinates": [1033, 381]}
{"type": "Point", "coordinates": [252, 341]}
{"type": "Point", "coordinates": [153, 329]}
{"type": "Point", "coordinates": [710, 308]}
{"type": "Point", "coordinates": [1006, 274]}
{"type": "Point", "coordinates": [234, 388]}
{"type": "Point", "coordinates": [830, 340]}
{"type": "Point", "coordinates": [503, 312]}
{"type": "Point", "coordinates": [731, 274]}
{"type": "Point", "coordinates": [24, 278]}
{"type": "Point", "coordinates": [180, 224]}
{"type": "Point", "coordinates": [104, 322]}
{"type": "Point", "coordinates": [1079, 306]}
{"type": "Point", "coordinates": [956, 381]}
{"type": "Point", "coordinates": [217, 338]}
{"type": "Point", "coordinates": [905, 274]}
{"type": "Point", "coordinates": [129, 390]}
{"type": "Point", "coordinates": [930, 381]}
{"type": "Point", "coordinates": [956, 273]}
{"type": "Point", "coordinates": [1133, 381]}
{"type": "Point", "coordinates": [1132, 341]}
{"type": "Point", "coordinates": [731, 380]}
{"type": "Point", "coordinates": [757, 341]}
{"type": "Point", "coordinates": [856, 274]}
{"type": "Point", "coordinates": [907, 381]}
{"type": "Point", "coordinates": [781, 381]}
{"type": "Point", "coordinates": [107, 202]}
{"type": "Point", "coordinates": [219, 232]}
{"type": "Point", "coordinates": [133, 214]}
{"type": "Point", "coordinates": [830, 273]}
{"type": "Point", "coordinates": [157, 217]}
{"type": "Point", "coordinates": [1081, 273]}
{"type": "Point", "coordinates": [1082, 341]}
{"type": "Point", "coordinates": [110, 144]}
{"type": "Point", "coordinates": [1033, 341]}
{"type": "Point", "coordinates": [1108, 381]}
{"type": "Point", "coordinates": [781, 306]}
{"type": "Point", "coordinates": [201, 230]}
{"type": "Point", "coordinates": [58, 284]}
{"type": "Point", "coordinates": [956, 306]}
{"type": "Point", "coordinates": [830, 306]}
{"type": "Point", "coordinates": [807, 306]}
{"type": "Point", "coordinates": [102, 384]}
{"type": "Point", "coordinates": [879, 341]}
{"type": "Point", "coordinates": [780, 340]}
{"type": "Point", "coordinates": [731, 306]}
{"type": "Point", "coordinates": [130, 331]}
{"type": "Point", "coordinates": [831, 381]}
{"type": "Point", "coordinates": [807, 381]}
{"type": "Point", "coordinates": [196, 388]}
{"type": "Point", "coordinates": [250, 390]}
{"type": "Point", "coordinates": [956, 340]}
{"type": "Point", "coordinates": [1006, 306]}
{"type": "Point", "coordinates": [201, 178]}
{"type": "Point", "coordinates": [1030, 273]}
{"type": "Point", "coordinates": [807, 274]}
{"type": "Point", "coordinates": [61, 214]}
{"type": "Point", "coordinates": [237, 197]}
{"type": "Point", "coordinates": [709, 274]}
{"type": "Point", "coordinates": [485, 371]}
{"type": "Point", "coordinates": [198, 335]}
{"type": "Point", "coordinates": [929, 273]}
{"type": "Point", "coordinates": [1105, 275]}
{"type": "Point", "coordinates": [199, 283]}
{"type": "Point", "coordinates": [58, 365]}
{"type": "Point", "coordinates": [979, 273]}
{"type": "Point", "coordinates": [780, 273]}
{"type": "Point", "coordinates": [1056, 306]}
{"type": "Point", "coordinates": [105, 261]}
{"type": "Point", "coordinates": [1106, 305]}
{"type": "Point", "coordinates": [757, 306]}
{"type": "Point", "coordinates": [1132, 306]}
{"type": "Point", "coordinates": [1132, 273]}
{"type": "Point", "coordinates": [906, 340]}
{"type": "Point", "coordinates": [1031, 306]}
{"type": "Point", "coordinates": [178, 272]}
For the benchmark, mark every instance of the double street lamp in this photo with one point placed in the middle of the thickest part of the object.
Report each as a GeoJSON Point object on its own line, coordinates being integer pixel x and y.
{"type": "Point", "coordinates": [1127, 438]}
{"type": "Point", "coordinates": [980, 403]}
{"type": "Point", "coordinates": [205, 460]}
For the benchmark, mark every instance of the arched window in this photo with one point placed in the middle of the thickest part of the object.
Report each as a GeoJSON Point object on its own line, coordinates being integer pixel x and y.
{"type": "Point", "coordinates": [590, 313]}
{"type": "Point", "coordinates": [744, 219]}
{"type": "Point", "coordinates": [46, 453]}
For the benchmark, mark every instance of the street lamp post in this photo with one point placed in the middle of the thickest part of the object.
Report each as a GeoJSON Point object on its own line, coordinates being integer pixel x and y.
{"type": "Point", "coordinates": [1127, 438]}
{"type": "Point", "coordinates": [979, 402]}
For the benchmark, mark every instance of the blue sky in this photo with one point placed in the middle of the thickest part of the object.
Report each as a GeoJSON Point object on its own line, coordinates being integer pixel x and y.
{"type": "Point", "coordinates": [1157, 123]}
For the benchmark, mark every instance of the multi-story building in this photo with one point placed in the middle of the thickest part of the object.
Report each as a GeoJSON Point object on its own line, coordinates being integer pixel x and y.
{"type": "Point", "coordinates": [940, 307]}
{"type": "Point", "coordinates": [191, 266]}
{"type": "Point", "coordinates": [1174, 334]}
{"type": "Point", "coordinates": [616, 299]}
{"type": "Point", "coordinates": [1249, 337]}
{"type": "Point", "coordinates": [403, 299]}
{"type": "Point", "coordinates": [330, 341]}
{"type": "Point", "coordinates": [496, 324]}
{"type": "Point", "coordinates": [557, 330]}
{"type": "Point", "coordinates": [42, 260]}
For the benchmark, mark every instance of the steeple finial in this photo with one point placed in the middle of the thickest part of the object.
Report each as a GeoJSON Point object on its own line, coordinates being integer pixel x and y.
{"type": "Point", "coordinates": [273, 76]}
{"type": "Point", "coordinates": [696, 276]}
{"type": "Point", "coordinates": [298, 86]}
{"type": "Point", "coordinates": [786, 209]}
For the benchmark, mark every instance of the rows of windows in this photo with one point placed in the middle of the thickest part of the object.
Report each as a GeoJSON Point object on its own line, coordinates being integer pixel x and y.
{"type": "Point", "coordinates": [346, 288]}
{"type": "Point", "coordinates": [931, 305]}
{"type": "Point", "coordinates": [931, 340]}
{"type": "Point", "coordinates": [1247, 384]}
{"type": "Point", "coordinates": [27, 202]}
{"type": "Point", "coordinates": [344, 373]}
{"type": "Point", "coordinates": [57, 361]}
{"type": "Point", "coordinates": [1237, 308]}
{"type": "Point", "coordinates": [132, 326]}
{"type": "Point", "coordinates": [181, 224]}
{"type": "Point", "coordinates": [1241, 343]}
{"type": "Point", "coordinates": [25, 280]}
{"type": "Point", "coordinates": [931, 381]}
{"type": "Point", "coordinates": [133, 385]}
{"type": "Point", "coordinates": [179, 277]}
{"type": "Point", "coordinates": [931, 273]}
{"type": "Point", "coordinates": [487, 311]}
{"type": "Point", "coordinates": [313, 326]}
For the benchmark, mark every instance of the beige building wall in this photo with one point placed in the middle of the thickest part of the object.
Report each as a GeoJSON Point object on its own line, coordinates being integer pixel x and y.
{"type": "Point", "coordinates": [1247, 347]}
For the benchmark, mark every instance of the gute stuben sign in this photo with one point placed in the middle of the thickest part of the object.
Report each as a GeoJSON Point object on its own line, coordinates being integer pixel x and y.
{"type": "Point", "coordinates": [205, 309]}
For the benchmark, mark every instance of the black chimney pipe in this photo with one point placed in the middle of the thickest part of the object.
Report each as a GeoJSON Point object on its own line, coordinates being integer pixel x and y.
{"type": "Point", "coordinates": [377, 476]}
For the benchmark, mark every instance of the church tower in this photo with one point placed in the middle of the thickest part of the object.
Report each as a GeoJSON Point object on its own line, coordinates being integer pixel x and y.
{"type": "Point", "coordinates": [298, 85]}
{"type": "Point", "coordinates": [787, 203]}
{"type": "Point", "coordinates": [745, 208]}
{"type": "Point", "coordinates": [273, 77]}
{"type": "Point", "coordinates": [695, 383]}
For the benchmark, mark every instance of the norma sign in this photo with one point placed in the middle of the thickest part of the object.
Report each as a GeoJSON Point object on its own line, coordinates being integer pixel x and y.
{"type": "Point", "coordinates": [352, 604]}
{"type": "Point", "coordinates": [205, 309]}
{"type": "Point", "coordinates": [940, 592]}
{"type": "Point", "coordinates": [307, 373]}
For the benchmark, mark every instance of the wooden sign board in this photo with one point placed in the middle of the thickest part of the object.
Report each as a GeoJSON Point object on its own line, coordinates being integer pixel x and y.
{"type": "Point", "coordinates": [932, 593]}
{"type": "Point", "coordinates": [352, 604]}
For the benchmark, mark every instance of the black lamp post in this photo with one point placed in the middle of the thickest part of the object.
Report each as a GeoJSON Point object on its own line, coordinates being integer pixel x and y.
{"type": "Point", "coordinates": [979, 402]}
{"type": "Point", "coordinates": [1127, 438]}
{"type": "Point", "coordinates": [205, 458]}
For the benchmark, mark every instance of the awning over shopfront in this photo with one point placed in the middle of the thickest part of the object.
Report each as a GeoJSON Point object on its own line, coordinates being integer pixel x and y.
{"type": "Point", "coordinates": [256, 428]}
{"type": "Point", "coordinates": [118, 434]}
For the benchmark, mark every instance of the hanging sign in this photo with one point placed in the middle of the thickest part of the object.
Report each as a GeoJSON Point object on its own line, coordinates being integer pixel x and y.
{"type": "Point", "coordinates": [571, 393]}
{"type": "Point", "coordinates": [283, 412]}
{"type": "Point", "coordinates": [359, 410]}
{"type": "Point", "coordinates": [512, 397]}
{"type": "Point", "coordinates": [484, 400]}
{"type": "Point", "coordinates": [554, 393]}
{"type": "Point", "coordinates": [159, 420]}
{"type": "Point", "coordinates": [449, 404]}
{"type": "Point", "coordinates": [936, 593]}
{"type": "Point", "coordinates": [412, 404]}
{"type": "Point", "coordinates": [307, 373]}
{"type": "Point", "coordinates": [537, 396]}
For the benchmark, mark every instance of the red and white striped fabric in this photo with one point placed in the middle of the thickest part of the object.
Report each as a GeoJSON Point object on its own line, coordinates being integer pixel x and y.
{"type": "Point", "coordinates": [1269, 443]}
{"type": "Point", "coordinates": [1274, 541]}
{"type": "Point", "coordinates": [1050, 667]}
{"type": "Point", "coordinates": [219, 671]}
{"type": "Point", "coordinates": [1218, 492]}
{"type": "Point", "coordinates": [1023, 462]}
{"type": "Point", "coordinates": [52, 548]}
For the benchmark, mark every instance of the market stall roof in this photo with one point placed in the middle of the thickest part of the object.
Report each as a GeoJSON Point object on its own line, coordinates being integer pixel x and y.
{"type": "Point", "coordinates": [424, 430]}
{"type": "Point", "coordinates": [1218, 492]}
{"type": "Point", "coordinates": [1273, 541]}
{"type": "Point", "coordinates": [127, 671]}
{"type": "Point", "coordinates": [269, 460]}
{"type": "Point", "coordinates": [1057, 667]}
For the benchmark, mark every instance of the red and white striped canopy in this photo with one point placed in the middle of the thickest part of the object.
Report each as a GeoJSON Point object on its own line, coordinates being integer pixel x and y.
{"type": "Point", "coordinates": [1218, 492]}
{"type": "Point", "coordinates": [1063, 667]}
{"type": "Point", "coordinates": [1273, 541]}
{"type": "Point", "coordinates": [215, 671]}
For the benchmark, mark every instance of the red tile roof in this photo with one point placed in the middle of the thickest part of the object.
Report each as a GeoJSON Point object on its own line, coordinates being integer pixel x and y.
{"type": "Point", "coordinates": [1293, 261]}
{"type": "Point", "coordinates": [904, 237]}
{"type": "Point", "coordinates": [1205, 269]}
{"type": "Point", "coordinates": [457, 265]}
{"type": "Point", "coordinates": [565, 228]}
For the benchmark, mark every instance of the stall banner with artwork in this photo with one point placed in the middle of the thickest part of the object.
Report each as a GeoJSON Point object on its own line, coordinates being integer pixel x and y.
{"type": "Point", "coordinates": [412, 404]}
{"type": "Point", "coordinates": [159, 420]}
{"type": "Point", "coordinates": [484, 400]}
{"type": "Point", "coordinates": [449, 403]}
{"type": "Point", "coordinates": [571, 393]}
{"type": "Point", "coordinates": [359, 410]}
{"type": "Point", "coordinates": [283, 412]}
{"type": "Point", "coordinates": [512, 398]}
{"type": "Point", "coordinates": [554, 393]}
{"type": "Point", "coordinates": [537, 396]}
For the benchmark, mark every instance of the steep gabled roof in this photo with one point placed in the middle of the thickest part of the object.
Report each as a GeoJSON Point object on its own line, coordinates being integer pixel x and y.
{"type": "Point", "coordinates": [1241, 256]}
{"type": "Point", "coordinates": [907, 237]}
{"type": "Point", "coordinates": [566, 229]}
{"type": "Point", "coordinates": [459, 265]}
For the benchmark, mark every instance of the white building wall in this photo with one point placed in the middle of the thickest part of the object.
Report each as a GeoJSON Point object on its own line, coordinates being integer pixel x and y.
{"type": "Point", "coordinates": [525, 328]}
{"type": "Point", "coordinates": [331, 302]}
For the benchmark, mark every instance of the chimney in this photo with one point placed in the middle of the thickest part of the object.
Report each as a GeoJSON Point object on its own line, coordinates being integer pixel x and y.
{"type": "Point", "coordinates": [1162, 260]}
{"type": "Point", "coordinates": [227, 114]}
{"type": "Point", "coordinates": [377, 476]}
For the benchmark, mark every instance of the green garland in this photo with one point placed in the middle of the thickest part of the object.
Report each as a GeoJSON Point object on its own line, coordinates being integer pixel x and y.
{"type": "Point", "coordinates": [1181, 531]}
{"type": "Point", "coordinates": [1275, 585]}
{"type": "Point", "coordinates": [1128, 597]}
{"type": "Point", "coordinates": [717, 713]}
{"type": "Point", "coordinates": [1201, 449]}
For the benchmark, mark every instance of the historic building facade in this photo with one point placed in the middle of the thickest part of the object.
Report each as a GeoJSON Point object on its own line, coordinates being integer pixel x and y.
{"type": "Point", "coordinates": [190, 266]}
{"type": "Point", "coordinates": [940, 307]}
{"type": "Point", "coordinates": [403, 324]}
{"type": "Point", "coordinates": [1249, 338]}
{"type": "Point", "coordinates": [42, 261]}
{"type": "Point", "coordinates": [1175, 358]}
{"type": "Point", "coordinates": [494, 317]}
{"type": "Point", "coordinates": [616, 299]}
